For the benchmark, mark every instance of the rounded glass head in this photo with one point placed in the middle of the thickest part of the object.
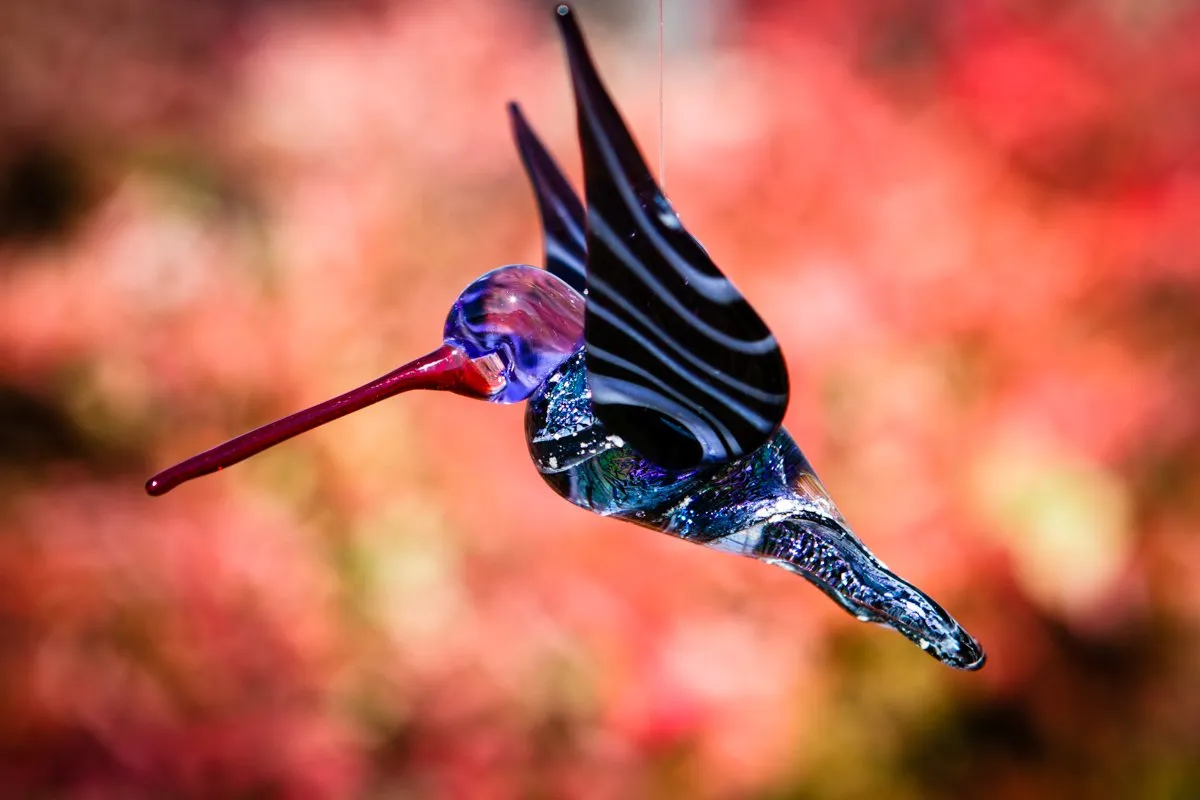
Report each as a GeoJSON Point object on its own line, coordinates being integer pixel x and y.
{"type": "Point", "coordinates": [530, 319]}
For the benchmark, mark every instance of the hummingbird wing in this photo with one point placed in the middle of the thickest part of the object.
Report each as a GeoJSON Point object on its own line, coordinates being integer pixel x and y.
{"type": "Point", "coordinates": [679, 365]}
{"type": "Point", "coordinates": [563, 225]}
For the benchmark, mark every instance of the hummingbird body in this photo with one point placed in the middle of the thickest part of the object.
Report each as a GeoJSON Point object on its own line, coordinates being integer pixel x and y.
{"type": "Point", "coordinates": [768, 504]}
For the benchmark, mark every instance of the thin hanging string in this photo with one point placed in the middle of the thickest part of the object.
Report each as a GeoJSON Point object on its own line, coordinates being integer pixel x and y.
{"type": "Point", "coordinates": [662, 164]}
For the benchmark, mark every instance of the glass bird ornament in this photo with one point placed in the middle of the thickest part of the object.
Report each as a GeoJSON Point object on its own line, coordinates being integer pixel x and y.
{"type": "Point", "coordinates": [655, 393]}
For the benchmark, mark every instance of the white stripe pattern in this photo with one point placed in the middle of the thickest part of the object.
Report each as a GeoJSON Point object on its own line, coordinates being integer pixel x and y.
{"type": "Point", "coordinates": [679, 364]}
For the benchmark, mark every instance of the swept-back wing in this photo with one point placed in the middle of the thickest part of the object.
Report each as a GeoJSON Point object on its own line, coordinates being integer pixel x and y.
{"type": "Point", "coordinates": [680, 366]}
{"type": "Point", "coordinates": [563, 225]}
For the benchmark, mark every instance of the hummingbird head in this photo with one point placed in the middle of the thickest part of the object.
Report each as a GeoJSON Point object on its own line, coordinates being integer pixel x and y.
{"type": "Point", "coordinates": [528, 319]}
{"type": "Point", "coordinates": [504, 335]}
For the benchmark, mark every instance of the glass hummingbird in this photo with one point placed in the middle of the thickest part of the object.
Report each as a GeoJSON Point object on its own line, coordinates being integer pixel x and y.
{"type": "Point", "coordinates": [655, 392]}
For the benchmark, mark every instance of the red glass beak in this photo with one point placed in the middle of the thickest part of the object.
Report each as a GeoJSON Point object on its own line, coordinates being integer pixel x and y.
{"type": "Point", "coordinates": [446, 369]}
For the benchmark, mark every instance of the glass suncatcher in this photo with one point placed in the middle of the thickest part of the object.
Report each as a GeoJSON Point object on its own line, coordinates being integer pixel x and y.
{"type": "Point", "coordinates": [655, 392]}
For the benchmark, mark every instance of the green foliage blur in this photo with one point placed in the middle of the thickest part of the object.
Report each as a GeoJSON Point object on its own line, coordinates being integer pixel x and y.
{"type": "Point", "coordinates": [975, 228]}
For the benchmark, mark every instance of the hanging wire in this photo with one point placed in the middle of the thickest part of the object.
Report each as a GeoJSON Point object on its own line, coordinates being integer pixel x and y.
{"type": "Point", "coordinates": [662, 164]}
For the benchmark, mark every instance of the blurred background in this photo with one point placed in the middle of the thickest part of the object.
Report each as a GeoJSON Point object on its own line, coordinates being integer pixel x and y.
{"type": "Point", "coordinates": [975, 227]}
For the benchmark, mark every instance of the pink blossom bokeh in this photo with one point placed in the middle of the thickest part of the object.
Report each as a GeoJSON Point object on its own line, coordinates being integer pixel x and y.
{"type": "Point", "coordinates": [974, 227]}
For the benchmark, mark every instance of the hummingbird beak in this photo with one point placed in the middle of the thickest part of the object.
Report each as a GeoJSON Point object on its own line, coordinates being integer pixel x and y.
{"type": "Point", "coordinates": [447, 369]}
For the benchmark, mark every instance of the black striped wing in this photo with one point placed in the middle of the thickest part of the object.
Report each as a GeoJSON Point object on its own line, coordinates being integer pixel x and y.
{"type": "Point", "coordinates": [562, 213]}
{"type": "Point", "coordinates": [679, 365]}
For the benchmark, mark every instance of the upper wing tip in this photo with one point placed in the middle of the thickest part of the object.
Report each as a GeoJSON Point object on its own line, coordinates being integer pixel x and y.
{"type": "Point", "coordinates": [516, 118]}
{"type": "Point", "coordinates": [568, 25]}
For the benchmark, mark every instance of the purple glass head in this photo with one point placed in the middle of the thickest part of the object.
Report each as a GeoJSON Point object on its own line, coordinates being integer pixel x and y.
{"type": "Point", "coordinates": [530, 319]}
{"type": "Point", "coordinates": [504, 335]}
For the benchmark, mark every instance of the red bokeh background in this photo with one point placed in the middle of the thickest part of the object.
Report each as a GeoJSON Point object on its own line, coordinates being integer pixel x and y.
{"type": "Point", "coordinates": [975, 227]}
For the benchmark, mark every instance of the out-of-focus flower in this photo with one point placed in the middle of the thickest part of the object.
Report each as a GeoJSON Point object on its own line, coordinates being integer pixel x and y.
{"type": "Point", "coordinates": [973, 227]}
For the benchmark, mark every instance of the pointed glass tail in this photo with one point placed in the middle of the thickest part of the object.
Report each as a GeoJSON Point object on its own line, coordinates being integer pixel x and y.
{"type": "Point", "coordinates": [828, 555]}
{"type": "Point", "coordinates": [448, 368]}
